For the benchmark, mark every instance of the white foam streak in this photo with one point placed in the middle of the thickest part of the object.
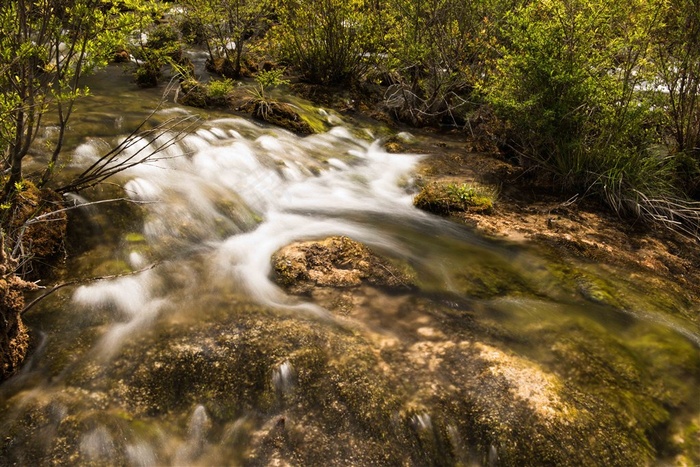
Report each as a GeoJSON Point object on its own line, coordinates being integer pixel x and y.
{"type": "Point", "coordinates": [130, 298]}
{"type": "Point", "coordinates": [246, 257]}
{"type": "Point", "coordinates": [127, 294]}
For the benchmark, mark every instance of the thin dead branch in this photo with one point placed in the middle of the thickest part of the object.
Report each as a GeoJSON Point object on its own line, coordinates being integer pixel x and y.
{"type": "Point", "coordinates": [89, 280]}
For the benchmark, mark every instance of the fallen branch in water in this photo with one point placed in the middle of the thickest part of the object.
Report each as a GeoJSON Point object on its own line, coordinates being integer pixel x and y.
{"type": "Point", "coordinates": [81, 282]}
{"type": "Point", "coordinates": [141, 146]}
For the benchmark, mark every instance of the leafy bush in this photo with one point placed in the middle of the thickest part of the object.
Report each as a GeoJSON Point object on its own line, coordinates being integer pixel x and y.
{"type": "Point", "coordinates": [329, 41]}
{"type": "Point", "coordinates": [676, 61]}
{"type": "Point", "coordinates": [225, 27]}
{"type": "Point", "coordinates": [270, 78]}
{"type": "Point", "coordinates": [568, 82]}
{"type": "Point", "coordinates": [434, 50]}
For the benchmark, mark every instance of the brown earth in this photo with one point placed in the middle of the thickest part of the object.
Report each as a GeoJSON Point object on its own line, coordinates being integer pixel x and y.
{"type": "Point", "coordinates": [37, 229]}
{"type": "Point", "coordinates": [14, 338]}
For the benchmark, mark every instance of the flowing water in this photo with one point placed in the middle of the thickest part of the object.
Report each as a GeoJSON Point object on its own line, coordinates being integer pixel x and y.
{"type": "Point", "coordinates": [493, 354]}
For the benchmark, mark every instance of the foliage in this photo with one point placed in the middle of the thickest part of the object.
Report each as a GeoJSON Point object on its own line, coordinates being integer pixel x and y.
{"type": "Point", "coordinates": [435, 50]}
{"type": "Point", "coordinates": [676, 62]}
{"type": "Point", "coordinates": [271, 78]}
{"type": "Point", "coordinates": [225, 26]}
{"type": "Point", "coordinates": [330, 41]}
{"type": "Point", "coordinates": [267, 79]}
{"type": "Point", "coordinates": [155, 47]}
{"type": "Point", "coordinates": [218, 89]}
{"type": "Point", "coordinates": [46, 47]}
{"type": "Point", "coordinates": [568, 81]}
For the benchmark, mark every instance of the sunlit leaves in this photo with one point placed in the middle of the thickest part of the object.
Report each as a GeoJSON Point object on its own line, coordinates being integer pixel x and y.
{"type": "Point", "coordinates": [46, 46]}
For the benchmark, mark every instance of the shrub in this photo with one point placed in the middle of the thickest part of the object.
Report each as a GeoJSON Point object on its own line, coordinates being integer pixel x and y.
{"type": "Point", "coordinates": [219, 89]}
{"type": "Point", "coordinates": [434, 57]}
{"type": "Point", "coordinates": [329, 41]}
{"type": "Point", "coordinates": [568, 83]}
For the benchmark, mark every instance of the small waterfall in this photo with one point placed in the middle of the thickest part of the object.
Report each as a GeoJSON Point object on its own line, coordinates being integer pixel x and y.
{"type": "Point", "coordinates": [131, 303]}
{"type": "Point", "coordinates": [141, 455]}
{"type": "Point", "coordinates": [245, 192]}
{"type": "Point", "coordinates": [97, 444]}
{"type": "Point", "coordinates": [283, 378]}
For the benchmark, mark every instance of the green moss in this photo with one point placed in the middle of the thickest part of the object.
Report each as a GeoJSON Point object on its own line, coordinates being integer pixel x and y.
{"type": "Point", "coordinates": [488, 279]}
{"type": "Point", "coordinates": [449, 198]}
{"type": "Point", "coordinates": [134, 237]}
{"type": "Point", "coordinates": [688, 442]}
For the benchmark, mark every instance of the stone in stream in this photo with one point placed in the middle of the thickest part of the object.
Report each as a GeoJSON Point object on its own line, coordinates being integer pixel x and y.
{"type": "Point", "coordinates": [336, 262]}
{"type": "Point", "coordinates": [359, 398]}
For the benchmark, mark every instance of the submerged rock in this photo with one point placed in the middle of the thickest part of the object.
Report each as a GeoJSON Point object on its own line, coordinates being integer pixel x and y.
{"type": "Point", "coordinates": [233, 383]}
{"type": "Point", "coordinates": [401, 379]}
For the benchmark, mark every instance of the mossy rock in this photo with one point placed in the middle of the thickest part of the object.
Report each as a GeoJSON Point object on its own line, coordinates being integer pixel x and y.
{"type": "Point", "coordinates": [411, 398]}
{"type": "Point", "coordinates": [35, 217]}
{"type": "Point", "coordinates": [147, 76]}
{"type": "Point", "coordinates": [14, 338]}
{"type": "Point", "coordinates": [449, 198]}
{"type": "Point", "coordinates": [192, 93]}
{"type": "Point", "coordinates": [280, 114]}
{"type": "Point", "coordinates": [336, 262]}
{"type": "Point", "coordinates": [223, 67]}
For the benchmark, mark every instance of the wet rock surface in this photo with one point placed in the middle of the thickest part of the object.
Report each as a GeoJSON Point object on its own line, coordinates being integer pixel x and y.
{"type": "Point", "coordinates": [249, 386]}
{"type": "Point", "coordinates": [395, 379]}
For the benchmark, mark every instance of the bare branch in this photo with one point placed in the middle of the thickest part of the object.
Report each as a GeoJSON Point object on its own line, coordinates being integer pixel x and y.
{"type": "Point", "coordinates": [81, 282]}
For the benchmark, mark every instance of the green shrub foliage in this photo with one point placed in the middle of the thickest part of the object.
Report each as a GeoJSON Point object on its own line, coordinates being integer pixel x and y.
{"type": "Point", "coordinates": [330, 41]}
{"type": "Point", "coordinates": [572, 80]}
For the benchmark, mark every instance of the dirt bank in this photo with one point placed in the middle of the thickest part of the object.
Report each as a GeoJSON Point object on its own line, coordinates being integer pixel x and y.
{"type": "Point", "coordinates": [527, 209]}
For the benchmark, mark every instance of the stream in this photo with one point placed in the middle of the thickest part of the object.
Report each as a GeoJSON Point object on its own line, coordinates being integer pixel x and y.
{"type": "Point", "coordinates": [490, 353]}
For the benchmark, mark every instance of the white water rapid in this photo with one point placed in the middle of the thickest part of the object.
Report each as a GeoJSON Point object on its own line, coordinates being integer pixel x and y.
{"type": "Point", "coordinates": [242, 192]}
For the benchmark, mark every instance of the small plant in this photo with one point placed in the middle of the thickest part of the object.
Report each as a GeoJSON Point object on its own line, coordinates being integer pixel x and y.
{"type": "Point", "coordinates": [465, 193]}
{"type": "Point", "coordinates": [271, 78]}
{"type": "Point", "coordinates": [219, 89]}
{"type": "Point", "coordinates": [266, 80]}
{"type": "Point", "coordinates": [441, 198]}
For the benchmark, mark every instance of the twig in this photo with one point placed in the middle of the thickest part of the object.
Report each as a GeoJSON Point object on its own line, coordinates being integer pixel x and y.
{"type": "Point", "coordinates": [83, 281]}
{"type": "Point", "coordinates": [76, 206]}
{"type": "Point", "coordinates": [49, 217]}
